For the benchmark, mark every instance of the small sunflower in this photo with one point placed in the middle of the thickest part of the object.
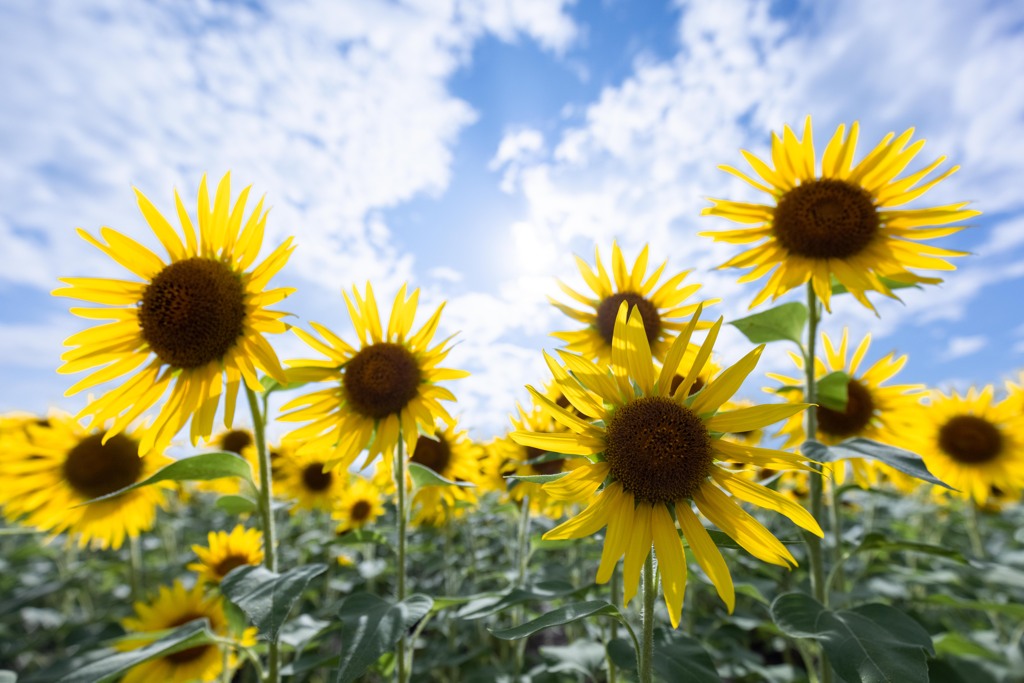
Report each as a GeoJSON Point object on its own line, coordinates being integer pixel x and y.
{"type": "Point", "coordinates": [661, 307]}
{"type": "Point", "coordinates": [226, 551]}
{"type": "Point", "coordinates": [191, 324]}
{"type": "Point", "coordinates": [240, 442]}
{"type": "Point", "coordinates": [971, 442]}
{"type": "Point", "coordinates": [305, 478]}
{"type": "Point", "coordinates": [176, 606]}
{"type": "Point", "coordinates": [653, 453]}
{"type": "Point", "coordinates": [385, 388]}
{"type": "Point", "coordinates": [840, 223]}
{"type": "Point", "coordinates": [873, 411]}
{"type": "Point", "coordinates": [58, 465]}
{"type": "Point", "coordinates": [361, 504]}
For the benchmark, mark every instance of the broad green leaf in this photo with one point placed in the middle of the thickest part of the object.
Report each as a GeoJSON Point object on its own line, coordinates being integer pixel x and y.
{"type": "Point", "coordinates": [874, 643]}
{"type": "Point", "coordinates": [423, 476]}
{"type": "Point", "coordinates": [266, 597]}
{"type": "Point", "coordinates": [237, 505]}
{"type": "Point", "coordinates": [202, 467]}
{"type": "Point", "coordinates": [370, 626]}
{"type": "Point", "coordinates": [950, 670]}
{"type": "Point", "coordinates": [833, 391]}
{"type": "Point", "coordinates": [566, 614]}
{"type": "Point", "coordinates": [957, 644]}
{"type": "Point", "coordinates": [785, 322]}
{"type": "Point", "coordinates": [536, 478]}
{"type": "Point", "coordinates": [1012, 609]}
{"type": "Point", "coordinates": [110, 667]}
{"type": "Point", "coordinates": [816, 451]}
{"type": "Point", "coordinates": [878, 541]}
{"type": "Point", "coordinates": [684, 659]}
{"type": "Point", "coordinates": [896, 458]}
{"type": "Point", "coordinates": [486, 605]}
{"type": "Point", "coordinates": [270, 384]}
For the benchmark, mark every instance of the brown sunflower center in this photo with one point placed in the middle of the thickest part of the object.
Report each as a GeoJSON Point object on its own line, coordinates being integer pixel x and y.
{"type": "Point", "coordinates": [360, 510]}
{"type": "Point", "coordinates": [189, 654]}
{"type": "Point", "coordinates": [546, 467]}
{"type": "Point", "coordinates": [435, 454]}
{"type": "Point", "coordinates": [315, 479]}
{"type": "Point", "coordinates": [971, 440]}
{"type": "Point", "coordinates": [860, 408]}
{"type": "Point", "coordinates": [822, 219]}
{"type": "Point", "coordinates": [228, 563]}
{"type": "Point", "coordinates": [236, 441]}
{"type": "Point", "coordinates": [658, 450]}
{"type": "Point", "coordinates": [193, 312]}
{"type": "Point", "coordinates": [608, 310]}
{"type": "Point", "coordinates": [94, 469]}
{"type": "Point", "coordinates": [381, 380]}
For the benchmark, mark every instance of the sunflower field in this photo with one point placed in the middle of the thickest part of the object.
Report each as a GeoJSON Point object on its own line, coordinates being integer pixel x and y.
{"type": "Point", "coordinates": [219, 513]}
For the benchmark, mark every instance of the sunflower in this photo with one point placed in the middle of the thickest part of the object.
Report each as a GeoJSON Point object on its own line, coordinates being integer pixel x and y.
{"type": "Point", "coordinates": [652, 453]}
{"type": "Point", "coordinates": [361, 503]}
{"type": "Point", "coordinates": [385, 389]}
{"type": "Point", "coordinates": [240, 442]}
{"type": "Point", "coordinates": [662, 309]}
{"type": "Point", "coordinates": [971, 442]}
{"type": "Point", "coordinates": [191, 324]}
{"type": "Point", "coordinates": [872, 411]}
{"type": "Point", "coordinates": [305, 477]}
{"type": "Point", "coordinates": [175, 606]}
{"type": "Point", "coordinates": [57, 465]}
{"type": "Point", "coordinates": [226, 551]}
{"type": "Point", "coordinates": [840, 224]}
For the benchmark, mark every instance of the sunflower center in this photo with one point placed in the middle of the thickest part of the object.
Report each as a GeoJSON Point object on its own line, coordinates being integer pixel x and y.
{"type": "Point", "coordinates": [94, 469]}
{"type": "Point", "coordinates": [433, 454]}
{"type": "Point", "coordinates": [236, 441]}
{"type": "Point", "coordinates": [381, 380]}
{"type": "Point", "coordinates": [546, 467]}
{"type": "Point", "coordinates": [189, 654]}
{"type": "Point", "coordinates": [608, 310]}
{"type": "Point", "coordinates": [228, 563]}
{"type": "Point", "coordinates": [315, 479]}
{"type": "Point", "coordinates": [193, 312]}
{"type": "Point", "coordinates": [822, 219]}
{"type": "Point", "coordinates": [860, 408]}
{"type": "Point", "coordinates": [971, 440]}
{"type": "Point", "coordinates": [658, 450]}
{"type": "Point", "coordinates": [360, 511]}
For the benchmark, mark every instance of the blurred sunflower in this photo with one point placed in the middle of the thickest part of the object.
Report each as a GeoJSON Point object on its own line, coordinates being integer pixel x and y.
{"type": "Point", "coordinates": [385, 388]}
{"type": "Point", "coordinates": [661, 307]}
{"type": "Point", "coordinates": [225, 551]}
{"type": "Point", "coordinates": [971, 442]}
{"type": "Point", "coordinates": [361, 504]}
{"type": "Point", "coordinates": [190, 324]}
{"type": "Point", "coordinates": [840, 224]}
{"type": "Point", "coordinates": [58, 465]}
{"type": "Point", "coordinates": [654, 453]}
{"type": "Point", "coordinates": [240, 442]}
{"type": "Point", "coordinates": [172, 607]}
{"type": "Point", "coordinates": [305, 478]}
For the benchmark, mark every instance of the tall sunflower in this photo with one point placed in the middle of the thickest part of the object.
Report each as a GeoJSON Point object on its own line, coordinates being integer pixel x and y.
{"type": "Point", "coordinates": [225, 551]}
{"type": "Point", "coordinates": [653, 453]}
{"type": "Point", "coordinates": [194, 324]}
{"type": "Point", "coordinates": [57, 465]}
{"type": "Point", "coordinates": [661, 307]}
{"type": "Point", "coordinates": [172, 607]}
{"type": "Point", "coordinates": [971, 442]}
{"type": "Point", "coordinates": [388, 386]}
{"type": "Point", "coordinates": [840, 223]}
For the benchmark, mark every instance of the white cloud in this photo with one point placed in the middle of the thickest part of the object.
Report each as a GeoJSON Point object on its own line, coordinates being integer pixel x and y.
{"type": "Point", "coordinates": [959, 347]}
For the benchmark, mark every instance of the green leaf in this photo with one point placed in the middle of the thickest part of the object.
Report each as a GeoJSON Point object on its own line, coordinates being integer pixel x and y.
{"type": "Point", "coordinates": [370, 626]}
{"type": "Point", "coordinates": [878, 541]}
{"type": "Point", "coordinates": [566, 614]}
{"type": "Point", "coordinates": [833, 391]}
{"type": "Point", "coordinates": [839, 288]}
{"type": "Point", "coordinates": [110, 667]}
{"type": "Point", "coordinates": [875, 643]}
{"type": "Point", "coordinates": [237, 505]}
{"type": "Point", "coordinates": [362, 537]}
{"type": "Point", "coordinates": [202, 467]}
{"type": "Point", "coordinates": [785, 322]}
{"type": "Point", "coordinates": [486, 605]}
{"type": "Point", "coordinates": [1012, 609]}
{"type": "Point", "coordinates": [423, 476]}
{"type": "Point", "coordinates": [684, 659]}
{"type": "Point", "coordinates": [270, 384]}
{"type": "Point", "coordinates": [896, 458]}
{"type": "Point", "coordinates": [952, 643]}
{"type": "Point", "coordinates": [267, 597]}
{"type": "Point", "coordinates": [536, 478]}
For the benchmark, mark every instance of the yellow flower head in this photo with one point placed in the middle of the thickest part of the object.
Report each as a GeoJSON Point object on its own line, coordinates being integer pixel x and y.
{"type": "Point", "coordinates": [386, 387]}
{"type": "Point", "coordinates": [192, 326]}
{"type": "Point", "coordinates": [653, 452]}
{"type": "Point", "coordinates": [305, 477]}
{"type": "Point", "coordinates": [842, 222]}
{"type": "Point", "coordinates": [361, 503]}
{"type": "Point", "coordinates": [661, 307]}
{"type": "Point", "coordinates": [226, 551]}
{"type": "Point", "coordinates": [57, 465]}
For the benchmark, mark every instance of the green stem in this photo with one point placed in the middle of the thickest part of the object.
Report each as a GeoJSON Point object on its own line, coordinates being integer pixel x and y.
{"type": "Point", "coordinates": [135, 567]}
{"type": "Point", "coordinates": [266, 494]}
{"type": "Point", "coordinates": [401, 513]}
{"type": "Point", "coordinates": [645, 658]}
{"type": "Point", "coordinates": [837, 536]}
{"type": "Point", "coordinates": [522, 559]}
{"type": "Point", "coordinates": [615, 588]}
{"type": "Point", "coordinates": [974, 530]}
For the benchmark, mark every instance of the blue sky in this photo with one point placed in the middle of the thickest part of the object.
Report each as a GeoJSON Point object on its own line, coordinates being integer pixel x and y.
{"type": "Point", "coordinates": [471, 147]}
